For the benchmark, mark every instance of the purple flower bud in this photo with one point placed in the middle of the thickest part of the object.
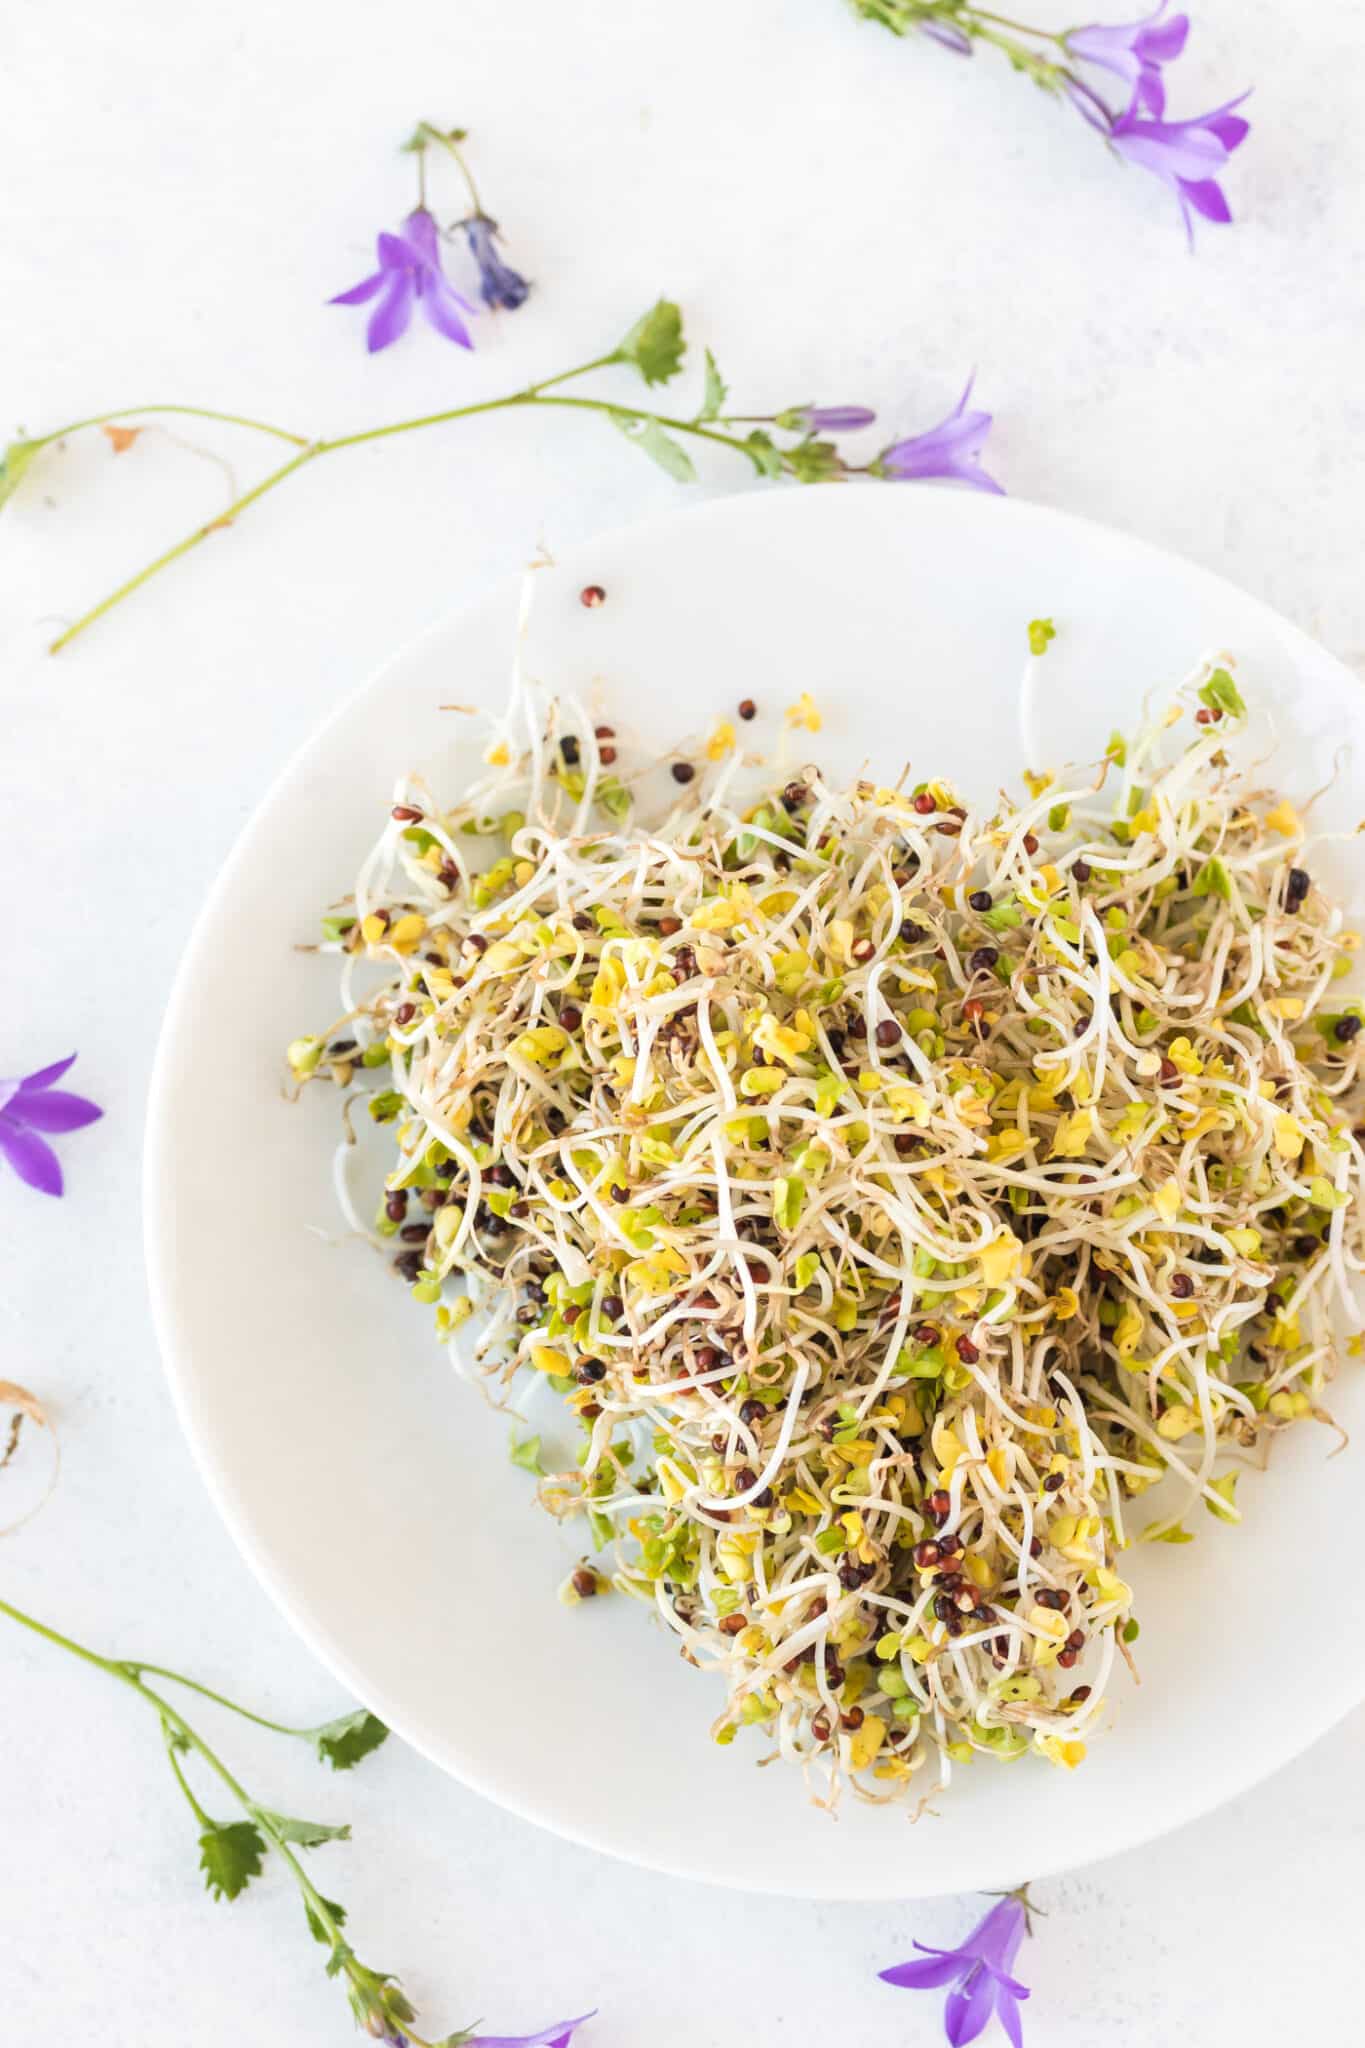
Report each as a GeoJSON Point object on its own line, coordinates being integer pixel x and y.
{"type": "Point", "coordinates": [951, 450]}
{"type": "Point", "coordinates": [978, 1972]}
{"type": "Point", "coordinates": [409, 270]}
{"type": "Point", "coordinates": [33, 1105]}
{"type": "Point", "coordinates": [1135, 52]}
{"type": "Point", "coordinates": [949, 34]}
{"type": "Point", "coordinates": [1186, 155]}
{"type": "Point", "coordinates": [827, 419]}
{"type": "Point", "coordinates": [500, 286]}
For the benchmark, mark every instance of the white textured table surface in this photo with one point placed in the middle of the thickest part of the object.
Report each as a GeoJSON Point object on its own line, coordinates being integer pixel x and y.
{"type": "Point", "coordinates": [844, 218]}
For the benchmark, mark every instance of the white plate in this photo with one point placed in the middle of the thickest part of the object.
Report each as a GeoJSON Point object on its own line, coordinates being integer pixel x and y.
{"type": "Point", "coordinates": [370, 1489]}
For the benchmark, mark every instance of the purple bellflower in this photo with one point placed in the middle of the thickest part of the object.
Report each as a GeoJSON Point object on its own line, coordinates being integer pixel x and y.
{"type": "Point", "coordinates": [1187, 155]}
{"type": "Point", "coordinates": [500, 287]}
{"type": "Point", "coordinates": [409, 269]}
{"type": "Point", "coordinates": [951, 450]}
{"type": "Point", "coordinates": [978, 1971]}
{"type": "Point", "coordinates": [557, 2035]}
{"type": "Point", "coordinates": [35, 1105]}
{"type": "Point", "coordinates": [1135, 51]}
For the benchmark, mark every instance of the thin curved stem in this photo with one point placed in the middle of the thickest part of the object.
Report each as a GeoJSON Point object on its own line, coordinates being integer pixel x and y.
{"type": "Point", "coordinates": [445, 142]}
{"type": "Point", "coordinates": [219, 1699]}
{"type": "Point", "coordinates": [197, 412]}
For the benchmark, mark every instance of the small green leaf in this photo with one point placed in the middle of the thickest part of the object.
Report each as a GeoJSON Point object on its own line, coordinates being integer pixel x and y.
{"type": "Point", "coordinates": [334, 928]}
{"type": "Point", "coordinates": [1166, 1532]}
{"type": "Point", "coordinates": [230, 1856]}
{"type": "Point", "coordinates": [307, 1834]}
{"type": "Point", "coordinates": [1117, 749]}
{"type": "Point", "coordinates": [315, 1926]}
{"type": "Point", "coordinates": [385, 1106]}
{"type": "Point", "coordinates": [1004, 916]}
{"type": "Point", "coordinates": [650, 437]}
{"type": "Point", "coordinates": [716, 392]}
{"type": "Point", "coordinates": [527, 1455]}
{"type": "Point", "coordinates": [1041, 634]}
{"type": "Point", "coordinates": [1131, 1631]}
{"type": "Point", "coordinates": [342, 1743]}
{"type": "Point", "coordinates": [763, 453]}
{"type": "Point", "coordinates": [1226, 1489]}
{"type": "Point", "coordinates": [789, 1198]}
{"type": "Point", "coordinates": [1213, 879]}
{"type": "Point", "coordinates": [17, 458]}
{"type": "Point", "coordinates": [655, 343]}
{"type": "Point", "coordinates": [807, 1266]}
{"type": "Point", "coordinates": [1220, 693]}
{"type": "Point", "coordinates": [1323, 1195]}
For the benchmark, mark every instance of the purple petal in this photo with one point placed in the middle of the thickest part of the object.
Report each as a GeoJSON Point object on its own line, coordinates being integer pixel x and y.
{"type": "Point", "coordinates": [1161, 42]}
{"type": "Point", "coordinates": [32, 1158]}
{"type": "Point", "coordinates": [967, 2011]}
{"type": "Point", "coordinates": [45, 1076]}
{"type": "Point", "coordinates": [1151, 91]}
{"type": "Point", "coordinates": [54, 1110]}
{"type": "Point", "coordinates": [391, 316]}
{"type": "Point", "coordinates": [442, 305]}
{"type": "Point", "coordinates": [557, 2035]}
{"type": "Point", "coordinates": [1007, 2012]}
{"type": "Point", "coordinates": [996, 1939]}
{"type": "Point", "coordinates": [359, 293]}
{"type": "Point", "coordinates": [1206, 196]}
{"type": "Point", "coordinates": [1230, 129]}
{"type": "Point", "coordinates": [419, 230]}
{"type": "Point", "coordinates": [940, 1966]}
{"type": "Point", "coordinates": [395, 254]}
{"type": "Point", "coordinates": [1170, 148]}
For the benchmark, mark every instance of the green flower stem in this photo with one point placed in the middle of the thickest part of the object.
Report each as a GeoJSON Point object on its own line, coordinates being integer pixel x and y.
{"type": "Point", "coordinates": [541, 393]}
{"type": "Point", "coordinates": [1020, 28]}
{"type": "Point", "coordinates": [449, 144]}
{"type": "Point", "coordinates": [368, 1991]}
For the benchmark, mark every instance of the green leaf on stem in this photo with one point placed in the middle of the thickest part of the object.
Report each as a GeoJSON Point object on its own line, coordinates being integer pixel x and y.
{"type": "Point", "coordinates": [650, 438]}
{"type": "Point", "coordinates": [1041, 634]}
{"type": "Point", "coordinates": [306, 1834]}
{"type": "Point", "coordinates": [761, 450]}
{"type": "Point", "coordinates": [17, 458]}
{"type": "Point", "coordinates": [716, 392]}
{"type": "Point", "coordinates": [342, 1743]}
{"type": "Point", "coordinates": [230, 1855]}
{"type": "Point", "coordinates": [655, 344]}
{"type": "Point", "coordinates": [315, 1926]}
